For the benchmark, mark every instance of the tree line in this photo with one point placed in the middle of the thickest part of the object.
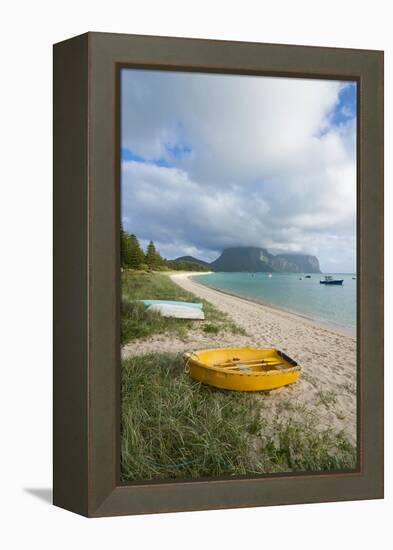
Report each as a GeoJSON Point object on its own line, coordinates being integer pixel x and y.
{"type": "Point", "coordinates": [134, 257]}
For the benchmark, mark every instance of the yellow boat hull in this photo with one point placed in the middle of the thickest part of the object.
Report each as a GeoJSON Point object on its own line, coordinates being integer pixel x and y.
{"type": "Point", "coordinates": [242, 369]}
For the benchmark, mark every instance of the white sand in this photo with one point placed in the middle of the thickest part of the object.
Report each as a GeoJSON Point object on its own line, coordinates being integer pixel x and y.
{"type": "Point", "coordinates": [327, 385]}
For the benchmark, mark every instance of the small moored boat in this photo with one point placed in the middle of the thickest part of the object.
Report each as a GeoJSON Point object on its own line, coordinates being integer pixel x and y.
{"type": "Point", "coordinates": [328, 280]}
{"type": "Point", "coordinates": [241, 369]}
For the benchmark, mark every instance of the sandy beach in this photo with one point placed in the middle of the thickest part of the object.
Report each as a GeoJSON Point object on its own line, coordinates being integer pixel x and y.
{"type": "Point", "coordinates": [327, 385]}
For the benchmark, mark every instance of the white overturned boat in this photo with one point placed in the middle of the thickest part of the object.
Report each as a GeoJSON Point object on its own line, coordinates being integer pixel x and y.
{"type": "Point", "coordinates": [179, 311]}
{"type": "Point", "coordinates": [173, 303]}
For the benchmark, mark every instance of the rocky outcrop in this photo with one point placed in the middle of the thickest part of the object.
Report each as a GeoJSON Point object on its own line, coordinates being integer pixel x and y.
{"type": "Point", "coordinates": [249, 258]}
{"type": "Point", "coordinates": [254, 259]}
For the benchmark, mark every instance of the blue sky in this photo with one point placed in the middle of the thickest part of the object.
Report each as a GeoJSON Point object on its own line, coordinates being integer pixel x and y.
{"type": "Point", "coordinates": [211, 161]}
{"type": "Point", "coordinates": [346, 106]}
{"type": "Point", "coordinates": [174, 153]}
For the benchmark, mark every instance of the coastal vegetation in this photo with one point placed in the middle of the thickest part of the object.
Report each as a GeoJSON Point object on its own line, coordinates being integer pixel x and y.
{"type": "Point", "coordinates": [132, 256]}
{"type": "Point", "coordinates": [137, 321]}
{"type": "Point", "coordinates": [174, 427]}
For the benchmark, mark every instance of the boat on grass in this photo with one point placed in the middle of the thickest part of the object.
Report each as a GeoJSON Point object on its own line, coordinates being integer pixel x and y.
{"type": "Point", "coordinates": [177, 311]}
{"type": "Point", "coordinates": [241, 369]}
{"type": "Point", "coordinates": [329, 280]}
{"type": "Point", "coordinates": [173, 303]}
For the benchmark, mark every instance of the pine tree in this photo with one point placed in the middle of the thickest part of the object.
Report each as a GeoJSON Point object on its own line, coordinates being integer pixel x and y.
{"type": "Point", "coordinates": [153, 258]}
{"type": "Point", "coordinates": [136, 255]}
{"type": "Point", "coordinates": [151, 255]}
{"type": "Point", "coordinates": [159, 260]}
{"type": "Point", "coordinates": [125, 250]}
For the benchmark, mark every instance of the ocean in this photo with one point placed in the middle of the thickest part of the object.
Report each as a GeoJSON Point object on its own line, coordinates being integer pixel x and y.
{"type": "Point", "coordinates": [332, 306]}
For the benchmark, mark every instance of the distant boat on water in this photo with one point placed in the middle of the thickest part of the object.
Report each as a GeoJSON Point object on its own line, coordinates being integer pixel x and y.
{"type": "Point", "coordinates": [307, 276]}
{"type": "Point", "coordinates": [270, 275]}
{"type": "Point", "coordinates": [328, 280]}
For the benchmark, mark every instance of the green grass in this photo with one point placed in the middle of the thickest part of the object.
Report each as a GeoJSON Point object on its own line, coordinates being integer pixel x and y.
{"type": "Point", "coordinates": [299, 446]}
{"type": "Point", "coordinates": [173, 427]}
{"type": "Point", "coordinates": [138, 322]}
{"type": "Point", "coordinates": [209, 328]}
{"type": "Point", "coordinates": [327, 397]}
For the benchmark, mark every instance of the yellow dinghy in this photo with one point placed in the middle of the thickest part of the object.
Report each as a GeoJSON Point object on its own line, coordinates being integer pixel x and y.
{"type": "Point", "coordinates": [241, 369]}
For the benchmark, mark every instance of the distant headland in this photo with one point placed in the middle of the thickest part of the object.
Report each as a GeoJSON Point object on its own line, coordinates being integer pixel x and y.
{"type": "Point", "coordinates": [254, 259]}
{"type": "Point", "coordinates": [234, 259]}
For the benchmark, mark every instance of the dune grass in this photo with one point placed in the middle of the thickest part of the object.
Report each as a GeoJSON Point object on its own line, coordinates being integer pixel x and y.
{"type": "Point", "coordinates": [138, 322]}
{"type": "Point", "coordinates": [327, 397]}
{"type": "Point", "coordinates": [175, 428]}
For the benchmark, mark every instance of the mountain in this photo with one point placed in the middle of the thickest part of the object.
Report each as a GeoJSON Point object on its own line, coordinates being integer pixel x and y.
{"type": "Point", "coordinates": [192, 260]}
{"type": "Point", "coordinates": [250, 258]}
{"type": "Point", "coordinates": [247, 258]}
{"type": "Point", "coordinates": [303, 263]}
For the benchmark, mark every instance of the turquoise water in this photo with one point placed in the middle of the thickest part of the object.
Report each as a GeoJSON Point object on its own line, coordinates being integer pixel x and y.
{"type": "Point", "coordinates": [331, 305]}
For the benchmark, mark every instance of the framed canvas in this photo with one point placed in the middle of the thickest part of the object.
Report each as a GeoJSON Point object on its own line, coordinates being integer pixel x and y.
{"type": "Point", "coordinates": [218, 274]}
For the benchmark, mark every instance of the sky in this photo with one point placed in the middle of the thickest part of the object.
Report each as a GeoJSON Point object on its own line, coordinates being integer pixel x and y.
{"type": "Point", "coordinates": [212, 161]}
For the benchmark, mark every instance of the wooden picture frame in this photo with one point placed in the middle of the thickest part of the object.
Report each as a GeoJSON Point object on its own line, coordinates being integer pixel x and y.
{"type": "Point", "coordinates": [86, 272]}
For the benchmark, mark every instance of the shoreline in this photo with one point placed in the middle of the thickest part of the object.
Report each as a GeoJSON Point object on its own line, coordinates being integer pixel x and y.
{"type": "Point", "coordinates": [327, 386]}
{"type": "Point", "coordinates": [326, 391]}
{"type": "Point", "coordinates": [329, 327]}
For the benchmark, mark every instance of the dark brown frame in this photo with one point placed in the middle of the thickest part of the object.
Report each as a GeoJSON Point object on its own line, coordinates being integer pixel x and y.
{"type": "Point", "coordinates": [86, 268]}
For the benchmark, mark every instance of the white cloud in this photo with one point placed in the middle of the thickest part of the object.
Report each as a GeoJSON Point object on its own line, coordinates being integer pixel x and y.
{"type": "Point", "coordinates": [267, 168]}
